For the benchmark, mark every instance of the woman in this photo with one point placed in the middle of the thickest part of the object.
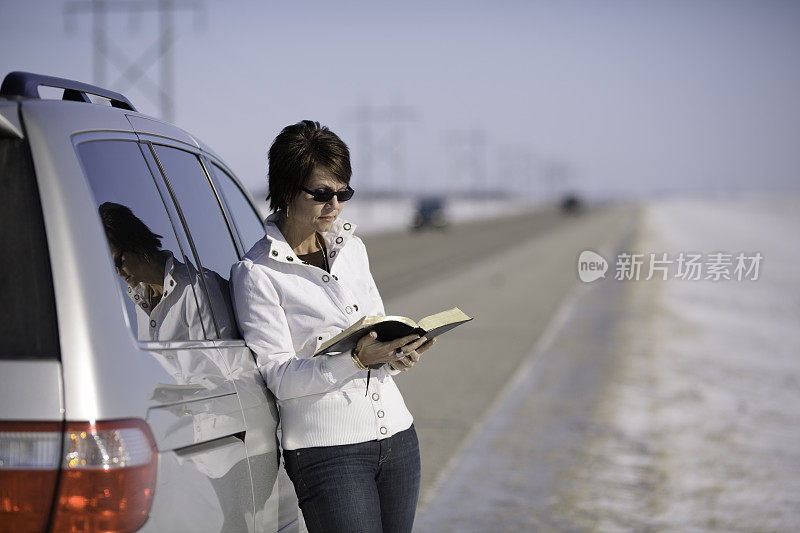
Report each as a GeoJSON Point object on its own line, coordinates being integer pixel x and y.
{"type": "Point", "coordinates": [348, 440]}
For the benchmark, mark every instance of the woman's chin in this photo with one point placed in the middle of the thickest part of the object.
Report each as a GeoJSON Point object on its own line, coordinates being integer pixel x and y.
{"type": "Point", "coordinates": [325, 222]}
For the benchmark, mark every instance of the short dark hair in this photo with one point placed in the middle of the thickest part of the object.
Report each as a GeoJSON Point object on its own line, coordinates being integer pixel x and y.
{"type": "Point", "coordinates": [126, 232]}
{"type": "Point", "coordinates": [296, 152]}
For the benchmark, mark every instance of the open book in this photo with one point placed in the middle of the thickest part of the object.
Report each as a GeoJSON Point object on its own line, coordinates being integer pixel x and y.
{"type": "Point", "coordinates": [393, 327]}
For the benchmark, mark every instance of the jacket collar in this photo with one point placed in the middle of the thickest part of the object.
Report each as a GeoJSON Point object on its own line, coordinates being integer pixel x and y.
{"type": "Point", "coordinates": [175, 276]}
{"type": "Point", "coordinates": [279, 250]}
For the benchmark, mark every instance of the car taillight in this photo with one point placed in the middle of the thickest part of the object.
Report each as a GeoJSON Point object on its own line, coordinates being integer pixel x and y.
{"type": "Point", "coordinates": [107, 479]}
{"type": "Point", "coordinates": [30, 454]}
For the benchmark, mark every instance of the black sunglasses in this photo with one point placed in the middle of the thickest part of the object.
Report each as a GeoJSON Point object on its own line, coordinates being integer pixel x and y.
{"type": "Point", "coordinates": [325, 195]}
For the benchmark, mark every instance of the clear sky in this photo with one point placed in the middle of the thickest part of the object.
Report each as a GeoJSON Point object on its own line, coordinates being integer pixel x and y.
{"type": "Point", "coordinates": [611, 98]}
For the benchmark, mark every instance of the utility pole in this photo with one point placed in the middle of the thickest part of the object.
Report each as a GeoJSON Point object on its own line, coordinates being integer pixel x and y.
{"type": "Point", "coordinates": [515, 172]}
{"type": "Point", "coordinates": [132, 71]}
{"type": "Point", "coordinates": [468, 156]}
{"type": "Point", "coordinates": [556, 173]}
{"type": "Point", "coordinates": [386, 147]}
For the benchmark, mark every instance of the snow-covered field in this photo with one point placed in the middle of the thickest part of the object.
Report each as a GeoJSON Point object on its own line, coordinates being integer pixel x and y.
{"type": "Point", "coordinates": [711, 382]}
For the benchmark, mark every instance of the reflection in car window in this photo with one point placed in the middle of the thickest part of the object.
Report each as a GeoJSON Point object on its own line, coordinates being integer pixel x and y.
{"type": "Point", "coordinates": [156, 281]}
{"type": "Point", "coordinates": [207, 228]}
{"type": "Point", "coordinates": [247, 221]}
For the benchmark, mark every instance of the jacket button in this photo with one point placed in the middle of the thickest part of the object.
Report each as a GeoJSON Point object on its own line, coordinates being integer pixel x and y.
{"type": "Point", "coordinates": [136, 297]}
{"type": "Point", "coordinates": [380, 413]}
{"type": "Point", "coordinates": [348, 310]}
{"type": "Point", "coordinates": [319, 338]}
{"type": "Point", "coordinates": [144, 305]}
{"type": "Point", "coordinates": [355, 307]}
{"type": "Point", "coordinates": [333, 253]}
{"type": "Point", "coordinates": [152, 323]}
{"type": "Point", "coordinates": [384, 431]}
{"type": "Point", "coordinates": [130, 290]}
{"type": "Point", "coordinates": [289, 258]}
{"type": "Point", "coordinates": [339, 240]}
{"type": "Point", "coordinates": [334, 277]}
{"type": "Point", "coordinates": [326, 278]}
{"type": "Point", "coordinates": [275, 253]}
{"type": "Point", "coordinates": [346, 226]}
{"type": "Point", "coordinates": [376, 396]}
{"type": "Point", "coordinates": [172, 283]}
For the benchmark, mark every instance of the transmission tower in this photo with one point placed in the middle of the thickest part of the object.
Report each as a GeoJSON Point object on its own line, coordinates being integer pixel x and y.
{"type": "Point", "coordinates": [134, 71]}
{"type": "Point", "coordinates": [468, 172]}
{"type": "Point", "coordinates": [384, 145]}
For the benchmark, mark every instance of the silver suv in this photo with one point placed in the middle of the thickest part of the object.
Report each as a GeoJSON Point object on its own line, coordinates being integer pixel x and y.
{"type": "Point", "coordinates": [128, 399]}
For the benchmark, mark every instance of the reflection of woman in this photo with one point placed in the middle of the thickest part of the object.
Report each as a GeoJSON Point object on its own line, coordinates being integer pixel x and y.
{"type": "Point", "coordinates": [162, 289]}
{"type": "Point", "coordinates": [353, 457]}
{"type": "Point", "coordinates": [159, 285]}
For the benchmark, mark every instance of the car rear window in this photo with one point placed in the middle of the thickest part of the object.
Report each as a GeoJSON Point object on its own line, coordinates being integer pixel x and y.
{"type": "Point", "coordinates": [29, 327]}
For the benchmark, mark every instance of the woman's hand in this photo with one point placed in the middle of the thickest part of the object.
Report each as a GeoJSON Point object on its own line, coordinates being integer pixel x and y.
{"type": "Point", "coordinates": [411, 354]}
{"type": "Point", "coordinates": [371, 351]}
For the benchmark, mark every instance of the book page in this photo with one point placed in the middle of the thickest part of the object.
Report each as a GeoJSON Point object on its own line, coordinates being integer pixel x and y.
{"type": "Point", "coordinates": [451, 316]}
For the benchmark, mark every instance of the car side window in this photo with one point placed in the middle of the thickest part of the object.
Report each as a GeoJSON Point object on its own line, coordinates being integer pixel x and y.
{"type": "Point", "coordinates": [157, 283]}
{"type": "Point", "coordinates": [207, 229]}
{"type": "Point", "coordinates": [247, 221]}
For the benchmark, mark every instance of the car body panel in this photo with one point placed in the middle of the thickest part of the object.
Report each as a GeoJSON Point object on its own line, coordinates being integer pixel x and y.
{"type": "Point", "coordinates": [88, 306]}
{"type": "Point", "coordinates": [144, 125]}
{"type": "Point", "coordinates": [10, 124]}
{"type": "Point", "coordinates": [31, 390]}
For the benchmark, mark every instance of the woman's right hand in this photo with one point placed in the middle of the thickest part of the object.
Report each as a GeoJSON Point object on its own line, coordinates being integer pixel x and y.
{"type": "Point", "coordinates": [371, 351]}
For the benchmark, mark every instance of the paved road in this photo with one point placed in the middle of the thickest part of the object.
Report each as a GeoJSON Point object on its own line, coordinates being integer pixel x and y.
{"type": "Point", "coordinates": [510, 275]}
{"type": "Point", "coordinates": [532, 464]}
{"type": "Point", "coordinates": [404, 260]}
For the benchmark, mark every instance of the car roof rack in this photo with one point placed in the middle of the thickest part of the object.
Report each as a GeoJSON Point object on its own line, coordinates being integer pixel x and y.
{"type": "Point", "coordinates": [27, 84]}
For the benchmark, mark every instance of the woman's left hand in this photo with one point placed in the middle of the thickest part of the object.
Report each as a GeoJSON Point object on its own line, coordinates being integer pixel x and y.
{"type": "Point", "coordinates": [411, 354]}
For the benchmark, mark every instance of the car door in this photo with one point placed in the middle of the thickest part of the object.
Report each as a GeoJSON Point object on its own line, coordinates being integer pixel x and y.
{"type": "Point", "coordinates": [214, 241]}
{"type": "Point", "coordinates": [194, 411]}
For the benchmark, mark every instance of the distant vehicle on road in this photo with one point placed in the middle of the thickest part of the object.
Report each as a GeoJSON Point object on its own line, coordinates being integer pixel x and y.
{"type": "Point", "coordinates": [128, 399]}
{"type": "Point", "coordinates": [429, 213]}
{"type": "Point", "coordinates": [571, 203]}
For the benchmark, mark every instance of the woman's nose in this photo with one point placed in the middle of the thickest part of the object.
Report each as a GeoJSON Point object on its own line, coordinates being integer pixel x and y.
{"type": "Point", "coordinates": [334, 202]}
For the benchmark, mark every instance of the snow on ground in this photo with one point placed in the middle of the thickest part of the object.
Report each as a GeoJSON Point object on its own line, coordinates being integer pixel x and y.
{"type": "Point", "coordinates": [710, 387]}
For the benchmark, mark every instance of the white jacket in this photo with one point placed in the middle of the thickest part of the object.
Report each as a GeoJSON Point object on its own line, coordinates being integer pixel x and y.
{"type": "Point", "coordinates": [285, 309]}
{"type": "Point", "coordinates": [176, 317]}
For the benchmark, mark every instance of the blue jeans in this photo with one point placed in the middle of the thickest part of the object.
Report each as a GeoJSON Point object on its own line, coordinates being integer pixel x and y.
{"type": "Point", "coordinates": [369, 487]}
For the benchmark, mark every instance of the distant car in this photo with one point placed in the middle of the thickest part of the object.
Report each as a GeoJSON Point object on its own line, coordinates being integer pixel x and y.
{"type": "Point", "coordinates": [571, 204]}
{"type": "Point", "coordinates": [429, 213]}
{"type": "Point", "coordinates": [120, 409]}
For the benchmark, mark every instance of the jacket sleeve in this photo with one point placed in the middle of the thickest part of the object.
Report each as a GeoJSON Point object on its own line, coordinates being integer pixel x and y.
{"type": "Point", "coordinates": [263, 324]}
